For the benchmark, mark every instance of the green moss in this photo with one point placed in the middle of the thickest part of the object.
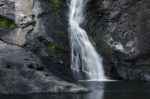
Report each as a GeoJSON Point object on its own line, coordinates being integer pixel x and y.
{"type": "Point", "coordinates": [93, 41]}
{"type": "Point", "coordinates": [56, 4]}
{"type": "Point", "coordinates": [51, 48]}
{"type": "Point", "coordinates": [7, 24]}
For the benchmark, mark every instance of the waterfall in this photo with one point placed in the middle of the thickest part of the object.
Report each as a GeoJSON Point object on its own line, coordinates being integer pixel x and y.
{"type": "Point", "coordinates": [84, 58]}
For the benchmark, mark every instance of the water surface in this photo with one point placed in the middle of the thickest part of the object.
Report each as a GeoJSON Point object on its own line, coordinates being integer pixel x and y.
{"type": "Point", "coordinates": [99, 90]}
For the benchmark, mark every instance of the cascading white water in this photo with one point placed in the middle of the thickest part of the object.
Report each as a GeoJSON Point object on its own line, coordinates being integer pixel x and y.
{"type": "Point", "coordinates": [84, 57]}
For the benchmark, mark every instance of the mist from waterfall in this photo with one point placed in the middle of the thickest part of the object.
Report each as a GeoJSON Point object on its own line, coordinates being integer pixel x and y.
{"type": "Point", "coordinates": [84, 58]}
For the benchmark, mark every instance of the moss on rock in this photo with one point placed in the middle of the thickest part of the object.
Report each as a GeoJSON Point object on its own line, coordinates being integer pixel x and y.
{"type": "Point", "coordinates": [56, 4]}
{"type": "Point", "coordinates": [93, 41]}
{"type": "Point", "coordinates": [51, 48]}
{"type": "Point", "coordinates": [7, 24]}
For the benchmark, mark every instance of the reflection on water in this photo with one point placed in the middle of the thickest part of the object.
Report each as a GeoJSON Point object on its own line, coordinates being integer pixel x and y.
{"type": "Point", "coordinates": [99, 90]}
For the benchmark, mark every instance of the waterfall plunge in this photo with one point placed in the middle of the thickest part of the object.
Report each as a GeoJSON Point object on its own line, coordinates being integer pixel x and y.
{"type": "Point", "coordinates": [84, 58]}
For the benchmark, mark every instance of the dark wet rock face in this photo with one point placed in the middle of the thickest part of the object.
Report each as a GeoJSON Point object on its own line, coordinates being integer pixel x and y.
{"type": "Point", "coordinates": [121, 27]}
{"type": "Point", "coordinates": [49, 39]}
{"type": "Point", "coordinates": [33, 48]}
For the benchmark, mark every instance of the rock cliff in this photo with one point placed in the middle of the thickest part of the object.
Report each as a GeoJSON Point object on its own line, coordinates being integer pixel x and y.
{"type": "Point", "coordinates": [32, 48]}
{"type": "Point", "coordinates": [119, 30]}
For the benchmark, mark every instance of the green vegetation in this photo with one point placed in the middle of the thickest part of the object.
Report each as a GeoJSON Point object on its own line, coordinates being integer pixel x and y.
{"type": "Point", "coordinates": [93, 41]}
{"type": "Point", "coordinates": [51, 48]}
{"type": "Point", "coordinates": [56, 5]}
{"type": "Point", "coordinates": [7, 24]}
{"type": "Point", "coordinates": [57, 2]}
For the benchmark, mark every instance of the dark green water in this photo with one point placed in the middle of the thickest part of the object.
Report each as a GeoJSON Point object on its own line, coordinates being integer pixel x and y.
{"type": "Point", "coordinates": [99, 90]}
